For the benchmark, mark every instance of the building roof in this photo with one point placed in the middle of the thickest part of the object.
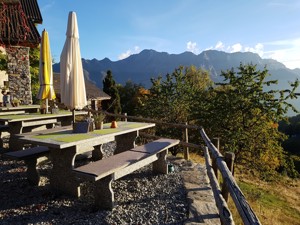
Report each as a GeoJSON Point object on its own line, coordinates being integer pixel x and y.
{"type": "Point", "coordinates": [92, 91]}
{"type": "Point", "coordinates": [32, 10]}
{"type": "Point", "coordinates": [17, 23]}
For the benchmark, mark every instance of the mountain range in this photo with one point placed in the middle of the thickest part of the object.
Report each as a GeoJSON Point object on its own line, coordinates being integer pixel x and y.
{"type": "Point", "coordinates": [139, 68]}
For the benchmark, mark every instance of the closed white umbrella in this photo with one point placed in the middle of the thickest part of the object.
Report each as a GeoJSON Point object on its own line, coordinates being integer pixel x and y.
{"type": "Point", "coordinates": [46, 90]}
{"type": "Point", "coordinates": [72, 85]}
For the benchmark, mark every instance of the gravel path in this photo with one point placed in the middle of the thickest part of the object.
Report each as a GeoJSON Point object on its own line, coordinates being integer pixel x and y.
{"type": "Point", "coordinates": [141, 197]}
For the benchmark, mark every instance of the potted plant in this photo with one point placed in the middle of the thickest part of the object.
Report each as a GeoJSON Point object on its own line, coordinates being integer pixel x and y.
{"type": "Point", "coordinates": [83, 124]}
{"type": "Point", "coordinates": [98, 120]}
{"type": "Point", "coordinates": [16, 102]}
{"type": "Point", "coordinates": [43, 108]}
{"type": "Point", "coordinates": [54, 109]}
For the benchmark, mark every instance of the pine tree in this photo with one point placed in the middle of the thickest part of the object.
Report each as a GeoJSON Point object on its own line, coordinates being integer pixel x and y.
{"type": "Point", "coordinates": [109, 87]}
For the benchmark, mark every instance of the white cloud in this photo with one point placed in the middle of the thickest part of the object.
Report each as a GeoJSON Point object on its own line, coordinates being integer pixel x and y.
{"type": "Point", "coordinates": [258, 48]}
{"type": "Point", "coordinates": [284, 51]}
{"type": "Point", "coordinates": [47, 6]}
{"type": "Point", "coordinates": [219, 45]}
{"type": "Point", "coordinates": [288, 56]}
{"type": "Point", "coordinates": [235, 48]}
{"type": "Point", "coordinates": [129, 52]}
{"type": "Point", "coordinates": [192, 47]}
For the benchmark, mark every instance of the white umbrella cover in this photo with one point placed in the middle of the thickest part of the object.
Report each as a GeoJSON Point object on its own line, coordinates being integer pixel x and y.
{"type": "Point", "coordinates": [72, 85]}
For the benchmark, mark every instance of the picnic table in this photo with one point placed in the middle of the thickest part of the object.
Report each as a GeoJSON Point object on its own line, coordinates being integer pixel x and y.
{"type": "Point", "coordinates": [23, 123]}
{"type": "Point", "coordinates": [26, 108]}
{"type": "Point", "coordinates": [64, 145]}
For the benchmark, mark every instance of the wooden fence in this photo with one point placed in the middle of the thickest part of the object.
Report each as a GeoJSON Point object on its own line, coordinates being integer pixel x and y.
{"type": "Point", "coordinates": [229, 184]}
{"type": "Point", "coordinates": [215, 162]}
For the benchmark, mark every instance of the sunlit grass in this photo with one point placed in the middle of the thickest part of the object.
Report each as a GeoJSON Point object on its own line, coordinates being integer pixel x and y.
{"type": "Point", "coordinates": [273, 203]}
{"type": "Point", "coordinates": [195, 157]}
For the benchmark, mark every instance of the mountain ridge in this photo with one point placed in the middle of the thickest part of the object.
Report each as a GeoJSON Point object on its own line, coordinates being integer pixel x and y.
{"type": "Point", "coordinates": [141, 67]}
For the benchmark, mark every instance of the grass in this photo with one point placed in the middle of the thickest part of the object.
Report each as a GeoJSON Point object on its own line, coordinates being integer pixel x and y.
{"type": "Point", "coordinates": [195, 157]}
{"type": "Point", "coordinates": [273, 203]}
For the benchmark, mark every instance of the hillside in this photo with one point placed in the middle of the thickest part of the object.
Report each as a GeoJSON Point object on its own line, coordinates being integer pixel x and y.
{"type": "Point", "coordinates": [139, 68]}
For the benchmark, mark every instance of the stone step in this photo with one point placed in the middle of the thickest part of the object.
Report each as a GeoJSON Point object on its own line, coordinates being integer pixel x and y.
{"type": "Point", "coordinates": [202, 204]}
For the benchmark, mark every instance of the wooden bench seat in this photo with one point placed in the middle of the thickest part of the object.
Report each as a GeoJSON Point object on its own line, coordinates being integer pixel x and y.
{"type": "Point", "coordinates": [4, 128]}
{"type": "Point", "coordinates": [38, 122]}
{"type": "Point", "coordinates": [30, 156]}
{"type": "Point", "coordinates": [104, 171]}
{"type": "Point", "coordinates": [12, 113]}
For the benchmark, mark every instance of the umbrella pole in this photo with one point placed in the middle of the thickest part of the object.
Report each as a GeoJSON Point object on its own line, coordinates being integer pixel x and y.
{"type": "Point", "coordinates": [73, 118]}
{"type": "Point", "coordinates": [46, 105]}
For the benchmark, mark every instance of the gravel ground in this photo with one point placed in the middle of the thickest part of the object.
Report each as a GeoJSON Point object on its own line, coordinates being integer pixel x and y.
{"type": "Point", "coordinates": [141, 198]}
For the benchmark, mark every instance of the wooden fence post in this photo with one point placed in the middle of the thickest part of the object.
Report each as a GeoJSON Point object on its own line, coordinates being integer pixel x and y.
{"type": "Point", "coordinates": [125, 119]}
{"type": "Point", "coordinates": [229, 159]}
{"type": "Point", "coordinates": [186, 149]}
{"type": "Point", "coordinates": [217, 143]}
{"type": "Point", "coordinates": [214, 160]}
{"type": "Point", "coordinates": [214, 166]}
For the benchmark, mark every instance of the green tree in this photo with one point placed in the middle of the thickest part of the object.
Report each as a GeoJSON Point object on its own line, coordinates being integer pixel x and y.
{"type": "Point", "coordinates": [129, 97]}
{"type": "Point", "coordinates": [171, 99]}
{"type": "Point", "coordinates": [246, 117]}
{"type": "Point", "coordinates": [109, 87]}
{"type": "Point", "coordinates": [291, 128]}
{"type": "Point", "coordinates": [34, 57]}
{"type": "Point", "coordinates": [3, 61]}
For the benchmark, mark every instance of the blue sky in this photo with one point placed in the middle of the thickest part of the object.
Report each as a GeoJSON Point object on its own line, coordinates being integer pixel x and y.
{"type": "Point", "coordinates": [118, 28]}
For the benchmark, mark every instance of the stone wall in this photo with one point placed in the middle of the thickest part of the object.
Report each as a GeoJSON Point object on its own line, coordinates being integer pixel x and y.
{"type": "Point", "coordinates": [19, 73]}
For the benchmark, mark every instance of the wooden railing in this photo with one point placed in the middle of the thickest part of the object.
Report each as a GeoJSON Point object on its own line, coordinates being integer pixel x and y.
{"type": "Point", "coordinates": [245, 211]}
{"type": "Point", "coordinates": [215, 162]}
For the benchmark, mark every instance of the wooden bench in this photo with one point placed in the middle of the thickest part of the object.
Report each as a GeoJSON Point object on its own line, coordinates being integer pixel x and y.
{"type": "Point", "coordinates": [104, 171]}
{"type": "Point", "coordinates": [30, 156]}
{"type": "Point", "coordinates": [27, 126]}
{"type": "Point", "coordinates": [38, 122]}
{"type": "Point", "coordinates": [12, 113]}
{"type": "Point", "coordinates": [3, 128]}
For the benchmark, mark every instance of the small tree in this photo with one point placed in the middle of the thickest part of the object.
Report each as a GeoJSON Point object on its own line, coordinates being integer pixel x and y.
{"type": "Point", "coordinates": [3, 61]}
{"type": "Point", "coordinates": [34, 57]}
{"type": "Point", "coordinates": [109, 87]}
{"type": "Point", "coordinates": [129, 97]}
{"type": "Point", "coordinates": [172, 99]}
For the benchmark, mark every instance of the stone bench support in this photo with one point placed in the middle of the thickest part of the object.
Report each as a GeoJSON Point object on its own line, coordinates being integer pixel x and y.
{"type": "Point", "coordinates": [104, 171]}
{"type": "Point", "coordinates": [30, 156]}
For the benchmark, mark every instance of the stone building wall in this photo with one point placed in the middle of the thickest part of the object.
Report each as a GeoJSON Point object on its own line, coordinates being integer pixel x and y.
{"type": "Point", "coordinates": [19, 73]}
